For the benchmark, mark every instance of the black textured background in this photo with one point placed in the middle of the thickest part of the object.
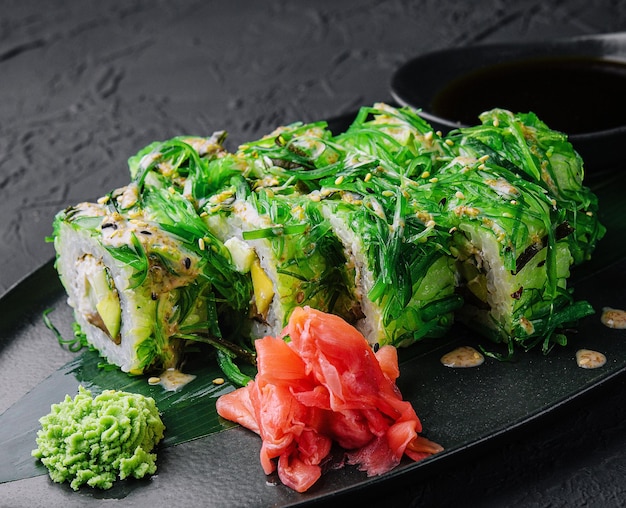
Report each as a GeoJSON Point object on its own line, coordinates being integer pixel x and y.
{"type": "Point", "coordinates": [86, 84]}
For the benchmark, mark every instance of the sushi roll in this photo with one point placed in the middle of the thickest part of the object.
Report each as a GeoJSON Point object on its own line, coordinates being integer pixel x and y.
{"type": "Point", "coordinates": [288, 250]}
{"type": "Point", "coordinates": [404, 281]}
{"type": "Point", "coordinates": [144, 276]}
{"type": "Point", "coordinates": [512, 251]}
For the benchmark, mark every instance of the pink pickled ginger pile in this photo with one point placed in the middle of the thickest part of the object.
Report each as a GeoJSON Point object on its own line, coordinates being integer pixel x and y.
{"type": "Point", "coordinates": [320, 383]}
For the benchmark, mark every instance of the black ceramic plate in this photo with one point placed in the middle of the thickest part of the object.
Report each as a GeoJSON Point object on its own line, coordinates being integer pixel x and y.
{"type": "Point", "coordinates": [422, 82]}
{"type": "Point", "coordinates": [462, 409]}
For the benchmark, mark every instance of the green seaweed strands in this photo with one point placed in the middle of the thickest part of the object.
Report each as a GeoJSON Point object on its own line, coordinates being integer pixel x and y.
{"type": "Point", "coordinates": [294, 155]}
{"type": "Point", "coordinates": [399, 136]}
{"type": "Point", "coordinates": [404, 277]}
{"type": "Point", "coordinates": [525, 145]}
{"type": "Point", "coordinates": [286, 246]}
{"type": "Point", "coordinates": [182, 164]}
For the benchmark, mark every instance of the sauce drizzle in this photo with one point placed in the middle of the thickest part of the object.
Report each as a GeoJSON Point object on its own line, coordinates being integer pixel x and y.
{"type": "Point", "coordinates": [589, 359]}
{"type": "Point", "coordinates": [463, 357]}
{"type": "Point", "coordinates": [613, 318]}
{"type": "Point", "coordinates": [173, 380]}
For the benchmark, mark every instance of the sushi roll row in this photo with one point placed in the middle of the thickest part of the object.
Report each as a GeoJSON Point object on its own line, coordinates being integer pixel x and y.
{"type": "Point", "coordinates": [390, 225]}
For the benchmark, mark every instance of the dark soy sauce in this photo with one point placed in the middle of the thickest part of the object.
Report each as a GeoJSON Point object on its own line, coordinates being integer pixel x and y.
{"type": "Point", "coordinates": [572, 95]}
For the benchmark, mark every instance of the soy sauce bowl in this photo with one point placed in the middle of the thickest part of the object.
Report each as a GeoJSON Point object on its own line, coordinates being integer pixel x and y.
{"type": "Point", "coordinates": [575, 85]}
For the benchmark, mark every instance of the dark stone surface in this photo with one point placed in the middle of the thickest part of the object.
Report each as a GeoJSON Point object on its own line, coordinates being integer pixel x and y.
{"type": "Point", "coordinates": [86, 84]}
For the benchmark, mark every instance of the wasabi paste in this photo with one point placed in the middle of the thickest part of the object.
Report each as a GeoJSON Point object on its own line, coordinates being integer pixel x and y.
{"type": "Point", "coordinates": [91, 441]}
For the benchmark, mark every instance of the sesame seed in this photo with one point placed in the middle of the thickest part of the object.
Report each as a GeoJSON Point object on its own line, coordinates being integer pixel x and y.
{"type": "Point", "coordinates": [434, 180]}
{"type": "Point", "coordinates": [449, 142]}
{"type": "Point", "coordinates": [430, 224]}
{"type": "Point", "coordinates": [368, 177]}
{"type": "Point", "coordinates": [513, 202]}
{"type": "Point", "coordinates": [459, 195]}
{"type": "Point", "coordinates": [339, 180]}
{"type": "Point", "coordinates": [425, 174]}
{"type": "Point", "coordinates": [218, 381]}
{"type": "Point", "coordinates": [154, 380]}
{"type": "Point", "coordinates": [388, 193]}
{"type": "Point", "coordinates": [201, 243]}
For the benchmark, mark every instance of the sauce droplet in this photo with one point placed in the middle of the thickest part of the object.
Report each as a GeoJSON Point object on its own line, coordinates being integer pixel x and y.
{"type": "Point", "coordinates": [173, 380]}
{"type": "Point", "coordinates": [613, 318]}
{"type": "Point", "coordinates": [588, 359]}
{"type": "Point", "coordinates": [463, 357]}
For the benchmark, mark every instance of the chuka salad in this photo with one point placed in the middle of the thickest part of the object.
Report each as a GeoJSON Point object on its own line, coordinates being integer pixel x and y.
{"type": "Point", "coordinates": [391, 226]}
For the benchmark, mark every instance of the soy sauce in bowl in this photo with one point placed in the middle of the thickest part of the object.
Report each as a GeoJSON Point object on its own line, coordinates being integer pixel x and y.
{"type": "Point", "coordinates": [574, 95]}
{"type": "Point", "coordinates": [575, 85]}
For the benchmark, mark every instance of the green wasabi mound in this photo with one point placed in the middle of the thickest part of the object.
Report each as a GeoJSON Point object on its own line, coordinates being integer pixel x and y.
{"type": "Point", "coordinates": [93, 440]}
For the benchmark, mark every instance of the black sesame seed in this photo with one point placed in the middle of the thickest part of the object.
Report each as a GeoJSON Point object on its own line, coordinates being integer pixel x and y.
{"type": "Point", "coordinates": [187, 263]}
{"type": "Point", "coordinates": [109, 225]}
